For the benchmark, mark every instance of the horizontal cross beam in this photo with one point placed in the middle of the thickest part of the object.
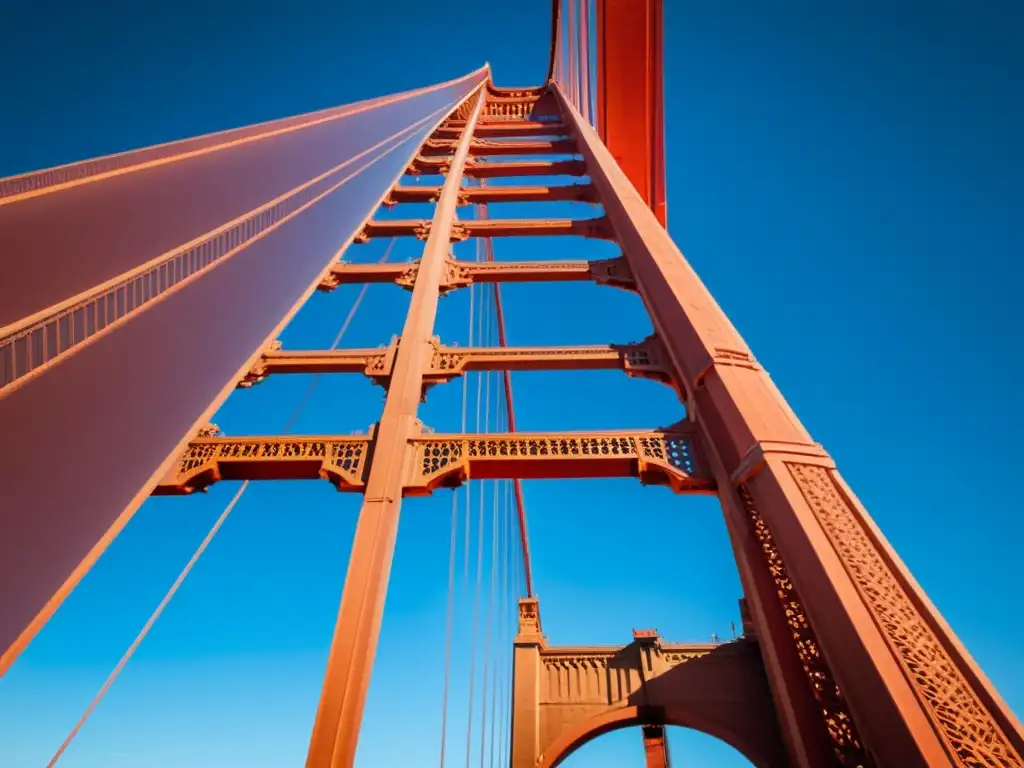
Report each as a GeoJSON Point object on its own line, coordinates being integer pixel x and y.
{"type": "Point", "coordinates": [485, 148]}
{"type": "Point", "coordinates": [341, 460]}
{"type": "Point", "coordinates": [660, 457]}
{"type": "Point", "coordinates": [644, 360]}
{"type": "Point", "coordinates": [428, 194]}
{"type": "Point", "coordinates": [479, 169]}
{"type": "Point", "coordinates": [614, 272]}
{"type": "Point", "coordinates": [506, 129]}
{"type": "Point", "coordinates": [420, 228]}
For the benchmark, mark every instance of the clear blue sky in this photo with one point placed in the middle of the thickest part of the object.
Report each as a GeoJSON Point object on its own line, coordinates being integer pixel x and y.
{"type": "Point", "coordinates": [848, 184]}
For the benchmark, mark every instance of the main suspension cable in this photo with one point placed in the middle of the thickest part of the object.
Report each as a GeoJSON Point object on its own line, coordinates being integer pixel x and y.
{"type": "Point", "coordinates": [214, 529]}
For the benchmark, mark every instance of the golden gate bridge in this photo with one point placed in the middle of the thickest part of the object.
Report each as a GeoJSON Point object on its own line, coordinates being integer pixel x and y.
{"type": "Point", "coordinates": [841, 659]}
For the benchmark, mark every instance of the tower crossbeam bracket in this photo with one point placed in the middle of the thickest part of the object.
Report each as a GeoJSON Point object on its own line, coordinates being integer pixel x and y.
{"type": "Point", "coordinates": [594, 228]}
{"type": "Point", "coordinates": [342, 460]}
{"type": "Point", "coordinates": [668, 457]}
{"type": "Point", "coordinates": [479, 169]}
{"type": "Point", "coordinates": [428, 194]}
{"type": "Point", "coordinates": [612, 272]}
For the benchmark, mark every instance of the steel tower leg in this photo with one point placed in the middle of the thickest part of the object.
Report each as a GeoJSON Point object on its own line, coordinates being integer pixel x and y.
{"type": "Point", "coordinates": [336, 729]}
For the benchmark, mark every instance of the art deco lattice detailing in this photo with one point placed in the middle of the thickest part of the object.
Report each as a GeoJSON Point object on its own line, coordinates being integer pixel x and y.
{"type": "Point", "coordinates": [436, 457]}
{"type": "Point", "coordinates": [28, 348]}
{"type": "Point", "coordinates": [969, 732]}
{"type": "Point", "coordinates": [519, 109]}
{"type": "Point", "coordinates": [676, 451]}
{"type": "Point", "coordinates": [655, 457]}
{"type": "Point", "coordinates": [837, 720]}
{"type": "Point", "coordinates": [561, 446]}
{"type": "Point", "coordinates": [210, 458]}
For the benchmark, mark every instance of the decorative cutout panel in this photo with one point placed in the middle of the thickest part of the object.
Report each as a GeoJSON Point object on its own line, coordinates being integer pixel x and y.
{"type": "Point", "coordinates": [340, 460]}
{"type": "Point", "coordinates": [835, 713]}
{"type": "Point", "coordinates": [656, 458]}
{"type": "Point", "coordinates": [969, 732]}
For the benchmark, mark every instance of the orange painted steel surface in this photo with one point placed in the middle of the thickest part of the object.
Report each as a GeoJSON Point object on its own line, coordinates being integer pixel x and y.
{"type": "Point", "coordinates": [630, 102]}
{"type": "Point", "coordinates": [613, 272]}
{"type": "Point", "coordinates": [666, 457]}
{"type": "Point", "coordinates": [566, 696]}
{"type": "Point", "coordinates": [843, 661]}
{"type": "Point", "coordinates": [336, 728]}
{"type": "Point", "coordinates": [481, 169]}
{"type": "Point", "coordinates": [495, 148]}
{"type": "Point", "coordinates": [518, 129]}
{"type": "Point", "coordinates": [655, 747]}
{"type": "Point", "coordinates": [910, 693]}
{"type": "Point", "coordinates": [132, 409]}
{"type": "Point", "coordinates": [448, 362]}
{"type": "Point", "coordinates": [424, 194]}
{"type": "Point", "coordinates": [421, 228]}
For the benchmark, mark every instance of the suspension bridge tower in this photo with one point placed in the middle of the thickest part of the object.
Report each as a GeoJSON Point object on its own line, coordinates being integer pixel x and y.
{"type": "Point", "coordinates": [842, 661]}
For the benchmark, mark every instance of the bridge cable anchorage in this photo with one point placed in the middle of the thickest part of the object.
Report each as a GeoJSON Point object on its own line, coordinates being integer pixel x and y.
{"type": "Point", "coordinates": [214, 529]}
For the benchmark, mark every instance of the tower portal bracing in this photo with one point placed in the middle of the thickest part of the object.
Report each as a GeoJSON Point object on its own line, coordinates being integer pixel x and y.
{"type": "Point", "coordinates": [843, 661]}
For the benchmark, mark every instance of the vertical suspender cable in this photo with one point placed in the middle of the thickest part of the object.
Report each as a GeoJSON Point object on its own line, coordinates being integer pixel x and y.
{"type": "Point", "coordinates": [482, 395]}
{"type": "Point", "coordinates": [510, 410]}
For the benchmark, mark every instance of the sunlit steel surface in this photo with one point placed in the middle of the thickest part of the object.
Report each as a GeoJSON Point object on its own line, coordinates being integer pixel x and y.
{"type": "Point", "coordinates": [95, 424]}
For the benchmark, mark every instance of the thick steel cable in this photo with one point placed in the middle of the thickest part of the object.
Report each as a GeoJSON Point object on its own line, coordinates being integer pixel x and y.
{"type": "Point", "coordinates": [158, 611]}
